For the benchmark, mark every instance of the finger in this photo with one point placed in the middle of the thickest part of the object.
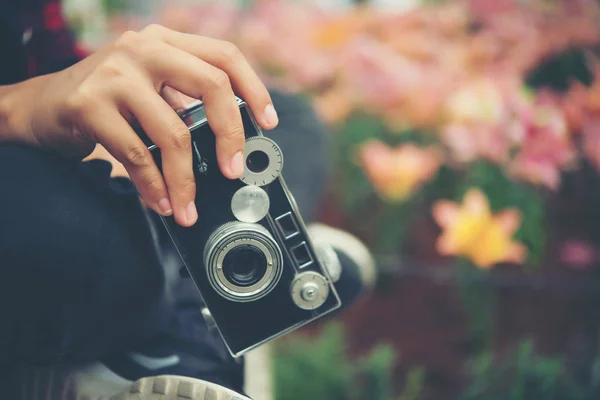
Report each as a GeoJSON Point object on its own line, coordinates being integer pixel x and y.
{"type": "Point", "coordinates": [198, 79]}
{"type": "Point", "coordinates": [227, 57]}
{"type": "Point", "coordinates": [167, 131]}
{"type": "Point", "coordinates": [177, 100]}
{"type": "Point", "coordinates": [110, 129]}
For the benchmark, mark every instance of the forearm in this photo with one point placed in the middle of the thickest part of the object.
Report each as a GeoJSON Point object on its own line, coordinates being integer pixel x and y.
{"type": "Point", "coordinates": [15, 108]}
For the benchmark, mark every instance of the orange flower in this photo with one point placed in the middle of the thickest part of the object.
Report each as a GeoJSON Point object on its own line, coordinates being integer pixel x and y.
{"type": "Point", "coordinates": [397, 173]}
{"type": "Point", "coordinates": [471, 230]}
{"type": "Point", "coordinates": [339, 31]}
{"type": "Point", "coordinates": [334, 105]}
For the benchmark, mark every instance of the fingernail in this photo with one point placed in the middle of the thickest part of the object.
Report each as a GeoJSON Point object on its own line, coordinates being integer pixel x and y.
{"type": "Point", "coordinates": [165, 206]}
{"type": "Point", "coordinates": [271, 115]}
{"type": "Point", "coordinates": [191, 215]}
{"type": "Point", "coordinates": [237, 164]}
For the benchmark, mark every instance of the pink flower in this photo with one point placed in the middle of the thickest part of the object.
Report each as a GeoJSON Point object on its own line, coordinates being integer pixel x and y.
{"type": "Point", "coordinates": [470, 142]}
{"type": "Point", "coordinates": [577, 254]}
{"type": "Point", "coordinates": [381, 76]}
{"type": "Point", "coordinates": [401, 90]}
{"type": "Point", "coordinates": [211, 18]}
{"type": "Point", "coordinates": [277, 37]}
{"type": "Point", "coordinates": [546, 147]}
{"type": "Point", "coordinates": [492, 7]}
{"type": "Point", "coordinates": [591, 141]}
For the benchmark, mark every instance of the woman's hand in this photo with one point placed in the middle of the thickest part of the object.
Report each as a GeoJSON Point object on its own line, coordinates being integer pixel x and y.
{"type": "Point", "coordinates": [94, 100]}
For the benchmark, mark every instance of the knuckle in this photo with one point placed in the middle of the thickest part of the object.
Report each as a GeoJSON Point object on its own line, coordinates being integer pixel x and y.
{"type": "Point", "coordinates": [111, 68]}
{"type": "Point", "coordinates": [187, 186]}
{"type": "Point", "coordinates": [153, 183]}
{"type": "Point", "coordinates": [81, 101]}
{"type": "Point", "coordinates": [180, 137]}
{"type": "Point", "coordinates": [129, 41]}
{"type": "Point", "coordinates": [138, 156]}
{"type": "Point", "coordinates": [220, 81]}
{"type": "Point", "coordinates": [230, 53]}
{"type": "Point", "coordinates": [236, 132]}
{"type": "Point", "coordinates": [154, 29]}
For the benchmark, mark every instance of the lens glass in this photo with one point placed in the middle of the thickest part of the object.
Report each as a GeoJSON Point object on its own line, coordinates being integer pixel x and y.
{"type": "Point", "coordinates": [257, 161]}
{"type": "Point", "coordinates": [244, 265]}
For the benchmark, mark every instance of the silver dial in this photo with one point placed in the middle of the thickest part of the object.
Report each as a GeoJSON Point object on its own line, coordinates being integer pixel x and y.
{"type": "Point", "coordinates": [263, 161]}
{"type": "Point", "coordinates": [250, 204]}
{"type": "Point", "coordinates": [309, 290]}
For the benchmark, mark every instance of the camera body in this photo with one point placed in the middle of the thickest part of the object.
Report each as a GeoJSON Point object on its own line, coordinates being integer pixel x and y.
{"type": "Point", "coordinates": [249, 254]}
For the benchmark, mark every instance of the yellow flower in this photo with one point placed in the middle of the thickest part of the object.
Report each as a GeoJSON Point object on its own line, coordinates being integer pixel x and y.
{"type": "Point", "coordinates": [396, 173]}
{"type": "Point", "coordinates": [334, 105]}
{"type": "Point", "coordinates": [471, 230]}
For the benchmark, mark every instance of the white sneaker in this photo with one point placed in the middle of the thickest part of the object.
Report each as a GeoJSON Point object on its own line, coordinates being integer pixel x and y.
{"type": "Point", "coordinates": [355, 257]}
{"type": "Point", "coordinates": [97, 382]}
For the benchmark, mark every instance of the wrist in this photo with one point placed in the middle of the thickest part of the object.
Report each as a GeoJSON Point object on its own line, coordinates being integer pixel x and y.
{"type": "Point", "coordinates": [16, 103]}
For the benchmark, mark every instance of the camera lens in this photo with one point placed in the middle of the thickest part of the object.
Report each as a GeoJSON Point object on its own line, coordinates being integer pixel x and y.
{"type": "Point", "coordinates": [245, 265]}
{"type": "Point", "coordinates": [243, 261]}
{"type": "Point", "coordinates": [257, 161]}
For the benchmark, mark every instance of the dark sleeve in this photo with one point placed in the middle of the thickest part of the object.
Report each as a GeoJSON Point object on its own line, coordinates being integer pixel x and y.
{"type": "Point", "coordinates": [35, 39]}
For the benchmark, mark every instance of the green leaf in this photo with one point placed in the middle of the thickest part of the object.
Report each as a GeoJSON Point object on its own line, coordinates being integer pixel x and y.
{"type": "Point", "coordinates": [413, 388]}
{"type": "Point", "coordinates": [320, 368]}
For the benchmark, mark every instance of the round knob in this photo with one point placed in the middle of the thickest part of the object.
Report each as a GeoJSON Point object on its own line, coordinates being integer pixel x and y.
{"type": "Point", "coordinates": [309, 290]}
{"type": "Point", "coordinates": [263, 160]}
{"type": "Point", "coordinates": [250, 204]}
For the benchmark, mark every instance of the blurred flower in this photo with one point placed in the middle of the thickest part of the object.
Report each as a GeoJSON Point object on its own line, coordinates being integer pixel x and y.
{"type": "Point", "coordinates": [491, 7]}
{"type": "Point", "coordinates": [546, 147]}
{"type": "Point", "coordinates": [471, 230]}
{"type": "Point", "coordinates": [593, 98]}
{"type": "Point", "coordinates": [276, 37]}
{"type": "Point", "coordinates": [478, 101]}
{"type": "Point", "coordinates": [577, 254]}
{"type": "Point", "coordinates": [478, 120]}
{"type": "Point", "coordinates": [591, 141]}
{"type": "Point", "coordinates": [573, 106]}
{"type": "Point", "coordinates": [470, 142]}
{"type": "Point", "coordinates": [398, 172]}
{"type": "Point", "coordinates": [340, 30]}
{"type": "Point", "coordinates": [380, 75]}
{"type": "Point", "coordinates": [335, 105]}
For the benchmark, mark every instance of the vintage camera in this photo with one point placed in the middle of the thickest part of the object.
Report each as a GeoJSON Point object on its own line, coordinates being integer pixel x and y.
{"type": "Point", "coordinates": [257, 270]}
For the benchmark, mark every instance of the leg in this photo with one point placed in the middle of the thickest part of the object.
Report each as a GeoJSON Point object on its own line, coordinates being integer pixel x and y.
{"type": "Point", "coordinates": [79, 275]}
{"type": "Point", "coordinates": [80, 279]}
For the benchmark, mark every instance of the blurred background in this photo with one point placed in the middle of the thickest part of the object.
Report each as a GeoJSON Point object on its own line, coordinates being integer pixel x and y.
{"type": "Point", "coordinates": [467, 153]}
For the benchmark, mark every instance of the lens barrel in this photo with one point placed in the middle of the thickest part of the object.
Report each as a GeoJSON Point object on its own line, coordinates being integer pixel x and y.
{"type": "Point", "coordinates": [243, 261]}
